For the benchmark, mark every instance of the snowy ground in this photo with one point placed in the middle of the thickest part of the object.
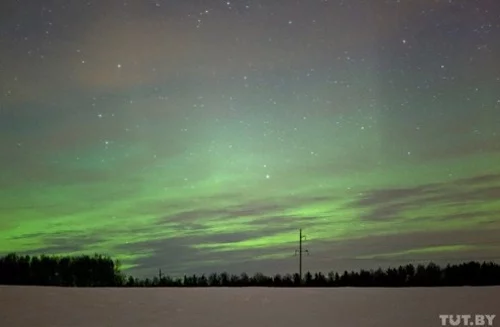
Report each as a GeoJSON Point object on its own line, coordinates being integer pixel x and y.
{"type": "Point", "coordinates": [232, 307]}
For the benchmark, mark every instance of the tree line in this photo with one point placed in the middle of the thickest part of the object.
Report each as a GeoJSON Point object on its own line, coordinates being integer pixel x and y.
{"type": "Point", "coordinates": [83, 271]}
{"type": "Point", "coordinates": [102, 271]}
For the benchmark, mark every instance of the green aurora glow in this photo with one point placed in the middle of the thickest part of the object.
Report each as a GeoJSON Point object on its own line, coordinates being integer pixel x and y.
{"type": "Point", "coordinates": [381, 161]}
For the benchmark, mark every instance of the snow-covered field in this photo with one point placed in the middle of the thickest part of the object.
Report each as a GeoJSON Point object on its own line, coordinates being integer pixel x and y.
{"type": "Point", "coordinates": [233, 307]}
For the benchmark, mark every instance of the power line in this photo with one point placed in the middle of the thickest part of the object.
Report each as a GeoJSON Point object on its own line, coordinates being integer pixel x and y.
{"type": "Point", "coordinates": [300, 251]}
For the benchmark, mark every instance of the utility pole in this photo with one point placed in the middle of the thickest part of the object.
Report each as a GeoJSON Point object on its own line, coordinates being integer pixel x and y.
{"type": "Point", "coordinates": [300, 251]}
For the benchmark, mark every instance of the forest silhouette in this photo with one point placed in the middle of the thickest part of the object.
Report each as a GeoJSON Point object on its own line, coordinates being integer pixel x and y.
{"type": "Point", "coordinates": [103, 271]}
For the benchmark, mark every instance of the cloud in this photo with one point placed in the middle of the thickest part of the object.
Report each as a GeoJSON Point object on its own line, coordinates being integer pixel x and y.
{"type": "Point", "coordinates": [61, 242]}
{"type": "Point", "coordinates": [393, 203]}
{"type": "Point", "coordinates": [177, 255]}
{"type": "Point", "coordinates": [261, 209]}
{"type": "Point", "coordinates": [379, 196]}
{"type": "Point", "coordinates": [410, 246]}
{"type": "Point", "coordinates": [479, 180]}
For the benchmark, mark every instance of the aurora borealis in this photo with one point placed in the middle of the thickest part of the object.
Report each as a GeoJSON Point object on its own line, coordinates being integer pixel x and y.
{"type": "Point", "coordinates": [199, 136]}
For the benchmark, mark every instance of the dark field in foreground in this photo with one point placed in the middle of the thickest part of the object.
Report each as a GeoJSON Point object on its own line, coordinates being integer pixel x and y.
{"type": "Point", "coordinates": [241, 307]}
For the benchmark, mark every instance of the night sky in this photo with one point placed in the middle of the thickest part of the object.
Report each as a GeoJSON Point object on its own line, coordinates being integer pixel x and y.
{"type": "Point", "coordinates": [198, 136]}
